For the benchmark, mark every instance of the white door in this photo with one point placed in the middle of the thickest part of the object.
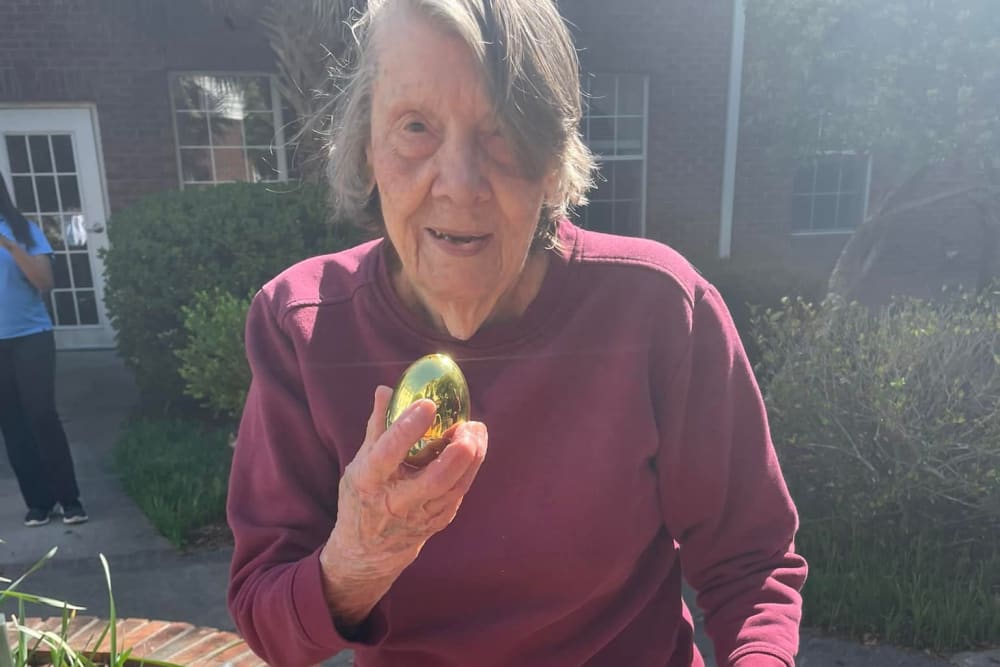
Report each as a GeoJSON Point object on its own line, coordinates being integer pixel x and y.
{"type": "Point", "coordinates": [49, 157]}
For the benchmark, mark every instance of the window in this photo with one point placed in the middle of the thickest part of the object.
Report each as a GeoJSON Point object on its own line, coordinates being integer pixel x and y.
{"type": "Point", "coordinates": [614, 127]}
{"type": "Point", "coordinates": [228, 128]}
{"type": "Point", "coordinates": [831, 193]}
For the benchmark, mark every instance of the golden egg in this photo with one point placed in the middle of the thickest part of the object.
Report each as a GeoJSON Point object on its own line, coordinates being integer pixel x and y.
{"type": "Point", "coordinates": [438, 378]}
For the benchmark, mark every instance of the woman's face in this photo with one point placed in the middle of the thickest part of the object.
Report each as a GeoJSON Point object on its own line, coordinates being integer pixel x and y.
{"type": "Point", "coordinates": [457, 207]}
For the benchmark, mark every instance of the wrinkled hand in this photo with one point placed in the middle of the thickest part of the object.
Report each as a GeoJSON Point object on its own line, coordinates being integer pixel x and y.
{"type": "Point", "coordinates": [386, 511]}
{"type": "Point", "coordinates": [6, 243]}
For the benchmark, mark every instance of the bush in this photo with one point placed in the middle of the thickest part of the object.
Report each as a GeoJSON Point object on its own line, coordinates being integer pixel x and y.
{"type": "Point", "coordinates": [889, 414]}
{"type": "Point", "coordinates": [177, 472]}
{"type": "Point", "coordinates": [169, 246]}
{"type": "Point", "coordinates": [213, 363]}
{"type": "Point", "coordinates": [748, 286]}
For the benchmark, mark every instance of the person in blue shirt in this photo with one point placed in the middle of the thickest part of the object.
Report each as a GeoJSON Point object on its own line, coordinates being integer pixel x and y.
{"type": "Point", "coordinates": [32, 432]}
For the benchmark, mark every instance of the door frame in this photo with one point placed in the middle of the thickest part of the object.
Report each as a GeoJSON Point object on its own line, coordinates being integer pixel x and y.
{"type": "Point", "coordinates": [64, 337]}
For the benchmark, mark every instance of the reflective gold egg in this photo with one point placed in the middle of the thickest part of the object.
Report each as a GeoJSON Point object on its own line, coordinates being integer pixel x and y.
{"type": "Point", "coordinates": [438, 378]}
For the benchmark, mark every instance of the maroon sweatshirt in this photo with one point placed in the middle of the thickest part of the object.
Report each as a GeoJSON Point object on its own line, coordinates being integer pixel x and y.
{"type": "Point", "coordinates": [628, 443]}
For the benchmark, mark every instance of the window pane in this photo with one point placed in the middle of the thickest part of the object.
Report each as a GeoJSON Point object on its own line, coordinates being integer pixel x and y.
{"type": "Point", "coordinates": [60, 269]}
{"type": "Point", "coordinates": [628, 179]}
{"type": "Point", "coordinates": [62, 146]}
{"type": "Point", "coordinates": [851, 210]}
{"type": "Point", "coordinates": [230, 164]}
{"type": "Point", "coordinates": [65, 309]}
{"type": "Point", "coordinates": [88, 307]}
{"type": "Point", "coordinates": [80, 262]}
{"type": "Point", "coordinates": [24, 194]}
{"type": "Point", "coordinates": [263, 165]}
{"type": "Point", "coordinates": [629, 136]}
{"type": "Point", "coordinates": [802, 213]}
{"type": "Point", "coordinates": [257, 93]}
{"type": "Point", "coordinates": [41, 159]}
{"type": "Point", "coordinates": [192, 129]}
{"type": "Point", "coordinates": [602, 136]}
{"type": "Point", "coordinates": [599, 217]}
{"type": "Point", "coordinates": [17, 150]}
{"type": "Point", "coordinates": [260, 129]}
{"type": "Point", "coordinates": [628, 218]}
{"type": "Point", "coordinates": [853, 175]}
{"type": "Point", "coordinates": [187, 93]}
{"type": "Point", "coordinates": [828, 174]}
{"type": "Point", "coordinates": [631, 95]}
{"type": "Point", "coordinates": [70, 192]}
{"type": "Point", "coordinates": [196, 164]}
{"type": "Point", "coordinates": [825, 212]}
{"type": "Point", "coordinates": [226, 131]}
{"type": "Point", "coordinates": [48, 201]}
{"type": "Point", "coordinates": [52, 227]}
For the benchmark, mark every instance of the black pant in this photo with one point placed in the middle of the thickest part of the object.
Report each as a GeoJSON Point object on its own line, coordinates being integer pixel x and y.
{"type": "Point", "coordinates": [36, 443]}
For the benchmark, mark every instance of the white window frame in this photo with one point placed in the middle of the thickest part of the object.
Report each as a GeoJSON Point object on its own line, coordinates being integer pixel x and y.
{"type": "Point", "coordinates": [279, 145]}
{"type": "Point", "coordinates": [643, 156]}
{"type": "Point", "coordinates": [866, 194]}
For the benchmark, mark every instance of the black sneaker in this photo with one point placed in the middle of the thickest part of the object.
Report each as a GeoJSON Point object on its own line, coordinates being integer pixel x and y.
{"type": "Point", "coordinates": [36, 517]}
{"type": "Point", "coordinates": [74, 513]}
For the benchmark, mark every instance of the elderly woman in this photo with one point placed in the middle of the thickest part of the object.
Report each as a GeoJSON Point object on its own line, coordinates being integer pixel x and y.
{"type": "Point", "coordinates": [627, 439]}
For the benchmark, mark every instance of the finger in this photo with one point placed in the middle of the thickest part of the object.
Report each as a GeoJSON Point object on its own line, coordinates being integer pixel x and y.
{"type": "Point", "coordinates": [453, 470]}
{"type": "Point", "coordinates": [376, 422]}
{"type": "Point", "coordinates": [388, 451]}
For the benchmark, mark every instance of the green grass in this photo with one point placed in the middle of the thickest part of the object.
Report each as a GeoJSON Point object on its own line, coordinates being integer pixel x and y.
{"type": "Point", "coordinates": [177, 472]}
{"type": "Point", "coordinates": [915, 592]}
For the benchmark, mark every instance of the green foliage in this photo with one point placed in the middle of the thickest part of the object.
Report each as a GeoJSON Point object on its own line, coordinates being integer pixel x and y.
{"type": "Point", "coordinates": [177, 473]}
{"type": "Point", "coordinates": [888, 428]}
{"type": "Point", "coordinates": [907, 590]}
{"type": "Point", "coordinates": [30, 642]}
{"type": "Point", "coordinates": [894, 414]}
{"type": "Point", "coordinates": [214, 364]}
{"type": "Point", "coordinates": [917, 80]}
{"type": "Point", "coordinates": [232, 238]}
{"type": "Point", "coordinates": [750, 284]}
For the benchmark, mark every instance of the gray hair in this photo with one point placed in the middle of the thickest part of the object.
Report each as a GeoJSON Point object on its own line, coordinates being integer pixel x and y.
{"type": "Point", "coordinates": [532, 73]}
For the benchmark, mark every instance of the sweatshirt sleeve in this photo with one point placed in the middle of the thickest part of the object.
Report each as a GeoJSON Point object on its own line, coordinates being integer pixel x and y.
{"type": "Point", "coordinates": [281, 509]}
{"type": "Point", "coordinates": [724, 498]}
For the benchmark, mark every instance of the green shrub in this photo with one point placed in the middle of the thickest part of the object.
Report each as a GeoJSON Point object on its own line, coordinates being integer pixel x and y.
{"type": "Point", "coordinates": [748, 285]}
{"type": "Point", "coordinates": [889, 414]}
{"type": "Point", "coordinates": [233, 238]}
{"type": "Point", "coordinates": [213, 363]}
{"type": "Point", "coordinates": [177, 472]}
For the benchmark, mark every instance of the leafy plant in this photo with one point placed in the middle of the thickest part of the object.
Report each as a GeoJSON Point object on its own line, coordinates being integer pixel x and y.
{"type": "Point", "coordinates": [177, 472]}
{"type": "Point", "coordinates": [232, 238]}
{"type": "Point", "coordinates": [31, 641]}
{"type": "Point", "coordinates": [214, 365]}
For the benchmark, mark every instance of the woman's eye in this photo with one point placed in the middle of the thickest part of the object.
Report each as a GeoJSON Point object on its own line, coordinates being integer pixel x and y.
{"type": "Point", "coordinates": [415, 126]}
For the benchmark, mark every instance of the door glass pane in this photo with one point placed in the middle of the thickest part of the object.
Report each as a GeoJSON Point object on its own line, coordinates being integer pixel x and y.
{"type": "Point", "coordinates": [65, 308]}
{"type": "Point", "coordinates": [41, 158]}
{"type": "Point", "coordinates": [24, 194]}
{"type": "Point", "coordinates": [60, 269]}
{"type": "Point", "coordinates": [69, 191]}
{"type": "Point", "coordinates": [81, 269]}
{"type": "Point", "coordinates": [87, 303]}
{"type": "Point", "coordinates": [52, 227]}
{"type": "Point", "coordinates": [17, 150]}
{"type": "Point", "coordinates": [48, 200]}
{"type": "Point", "coordinates": [62, 147]}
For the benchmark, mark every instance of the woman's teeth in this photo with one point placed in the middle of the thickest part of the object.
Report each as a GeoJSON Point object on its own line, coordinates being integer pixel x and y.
{"type": "Point", "coordinates": [455, 239]}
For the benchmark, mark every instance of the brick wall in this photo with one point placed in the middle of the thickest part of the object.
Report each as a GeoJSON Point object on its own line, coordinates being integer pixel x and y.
{"type": "Point", "coordinates": [683, 46]}
{"type": "Point", "coordinates": [116, 54]}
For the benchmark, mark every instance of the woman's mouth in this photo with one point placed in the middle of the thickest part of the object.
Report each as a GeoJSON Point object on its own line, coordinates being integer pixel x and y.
{"type": "Point", "coordinates": [454, 238]}
{"type": "Point", "coordinates": [459, 245]}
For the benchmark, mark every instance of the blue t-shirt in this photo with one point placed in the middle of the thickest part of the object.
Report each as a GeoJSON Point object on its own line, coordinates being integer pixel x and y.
{"type": "Point", "coordinates": [22, 311]}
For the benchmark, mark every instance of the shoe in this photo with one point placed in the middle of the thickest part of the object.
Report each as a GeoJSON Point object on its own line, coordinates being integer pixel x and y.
{"type": "Point", "coordinates": [36, 517]}
{"type": "Point", "coordinates": [74, 513]}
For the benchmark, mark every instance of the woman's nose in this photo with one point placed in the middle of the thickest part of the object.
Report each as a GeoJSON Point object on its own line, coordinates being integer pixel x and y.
{"type": "Point", "coordinates": [460, 175]}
